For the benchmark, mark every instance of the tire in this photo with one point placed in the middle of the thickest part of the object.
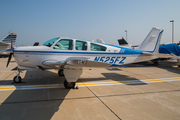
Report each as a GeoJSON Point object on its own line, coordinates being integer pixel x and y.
{"type": "Point", "coordinates": [17, 80]}
{"type": "Point", "coordinates": [69, 85]}
{"type": "Point", "coordinates": [60, 72]}
{"type": "Point", "coordinates": [155, 62]}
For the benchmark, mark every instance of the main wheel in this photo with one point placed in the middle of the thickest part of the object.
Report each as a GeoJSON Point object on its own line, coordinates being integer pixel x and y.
{"type": "Point", "coordinates": [155, 62]}
{"type": "Point", "coordinates": [60, 72]}
{"type": "Point", "coordinates": [17, 79]}
{"type": "Point", "coordinates": [69, 85]}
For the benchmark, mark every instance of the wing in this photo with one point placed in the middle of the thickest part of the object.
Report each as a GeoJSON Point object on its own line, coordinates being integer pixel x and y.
{"type": "Point", "coordinates": [72, 66]}
{"type": "Point", "coordinates": [68, 61]}
{"type": "Point", "coordinates": [76, 61]}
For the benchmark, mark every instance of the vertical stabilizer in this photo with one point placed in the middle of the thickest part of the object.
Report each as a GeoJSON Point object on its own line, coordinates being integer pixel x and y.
{"type": "Point", "coordinates": [5, 43]}
{"type": "Point", "coordinates": [9, 37]}
{"type": "Point", "coordinates": [152, 41]}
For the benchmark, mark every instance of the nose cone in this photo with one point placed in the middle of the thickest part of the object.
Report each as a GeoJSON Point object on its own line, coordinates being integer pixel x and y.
{"type": "Point", "coordinates": [10, 50]}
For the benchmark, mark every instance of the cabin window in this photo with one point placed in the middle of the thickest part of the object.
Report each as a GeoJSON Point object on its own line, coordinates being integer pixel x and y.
{"type": "Point", "coordinates": [96, 47]}
{"type": "Point", "coordinates": [81, 45]}
{"type": "Point", "coordinates": [64, 44]}
{"type": "Point", "coordinates": [50, 42]}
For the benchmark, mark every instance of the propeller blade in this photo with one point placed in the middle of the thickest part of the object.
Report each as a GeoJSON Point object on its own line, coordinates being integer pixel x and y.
{"type": "Point", "coordinates": [11, 53]}
{"type": "Point", "coordinates": [9, 59]}
{"type": "Point", "coordinates": [11, 44]}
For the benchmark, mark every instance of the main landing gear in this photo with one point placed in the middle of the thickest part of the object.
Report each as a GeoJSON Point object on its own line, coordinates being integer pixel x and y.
{"type": "Point", "coordinates": [71, 74]}
{"type": "Point", "coordinates": [69, 85]}
{"type": "Point", "coordinates": [17, 79]}
{"type": "Point", "coordinates": [60, 72]}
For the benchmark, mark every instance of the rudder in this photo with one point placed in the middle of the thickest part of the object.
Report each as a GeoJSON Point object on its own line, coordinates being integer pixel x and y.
{"type": "Point", "coordinates": [152, 41]}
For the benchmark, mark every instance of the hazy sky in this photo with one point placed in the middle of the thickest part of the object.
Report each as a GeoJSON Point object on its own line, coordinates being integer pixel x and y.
{"type": "Point", "coordinates": [41, 20]}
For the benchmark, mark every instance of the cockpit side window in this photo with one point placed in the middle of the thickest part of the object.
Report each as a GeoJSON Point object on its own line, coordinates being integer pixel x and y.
{"type": "Point", "coordinates": [64, 44]}
{"type": "Point", "coordinates": [81, 45]}
{"type": "Point", "coordinates": [96, 47]}
{"type": "Point", "coordinates": [50, 42]}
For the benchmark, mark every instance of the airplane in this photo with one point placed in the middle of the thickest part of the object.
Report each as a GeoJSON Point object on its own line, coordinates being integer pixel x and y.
{"type": "Point", "coordinates": [5, 43]}
{"type": "Point", "coordinates": [122, 42]}
{"type": "Point", "coordinates": [70, 55]}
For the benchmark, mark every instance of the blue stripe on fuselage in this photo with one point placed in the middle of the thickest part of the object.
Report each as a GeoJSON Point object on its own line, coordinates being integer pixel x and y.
{"type": "Point", "coordinates": [67, 52]}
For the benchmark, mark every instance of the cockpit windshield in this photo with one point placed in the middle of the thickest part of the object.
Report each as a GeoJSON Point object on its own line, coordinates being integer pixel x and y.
{"type": "Point", "coordinates": [50, 42]}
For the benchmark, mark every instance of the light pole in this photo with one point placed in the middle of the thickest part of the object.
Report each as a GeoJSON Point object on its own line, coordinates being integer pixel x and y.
{"type": "Point", "coordinates": [126, 34]}
{"type": "Point", "coordinates": [172, 31]}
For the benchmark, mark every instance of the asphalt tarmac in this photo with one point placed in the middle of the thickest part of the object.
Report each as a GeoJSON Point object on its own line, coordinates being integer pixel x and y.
{"type": "Point", "coordinates": [138, 92]}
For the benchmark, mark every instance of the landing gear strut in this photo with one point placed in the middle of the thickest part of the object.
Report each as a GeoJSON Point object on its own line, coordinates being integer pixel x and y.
{"type": "Point", "coordinates": [17, 79]}
{"type": "Point", "coordinates": [69, 85]}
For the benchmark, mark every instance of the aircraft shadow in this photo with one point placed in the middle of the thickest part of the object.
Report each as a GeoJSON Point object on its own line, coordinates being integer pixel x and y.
{"type": "Point", "coordinates": [166, 65]}
{"type": "Point", "coordinates": [170, 69]}
{"type": "Point", "coordinates": [4, 56]}
{"type": "Point", "coordinates": [123, 78]}
{"type": "Point", "coordinates": [34, 104]}
{"type": "Point", "coordinates": [115, 77]}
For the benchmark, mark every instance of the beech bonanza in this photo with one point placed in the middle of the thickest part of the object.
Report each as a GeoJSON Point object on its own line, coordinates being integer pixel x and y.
{"type": "Point", "coordinates": [70, 55]}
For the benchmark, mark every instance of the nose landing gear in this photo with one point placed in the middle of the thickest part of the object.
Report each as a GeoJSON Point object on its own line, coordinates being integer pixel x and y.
{"type": "Point", "coordinates": [17, 79]}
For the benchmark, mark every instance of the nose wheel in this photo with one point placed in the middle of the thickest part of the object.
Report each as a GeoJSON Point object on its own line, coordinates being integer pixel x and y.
{"type": "Point", "coordinates": [17, 79]}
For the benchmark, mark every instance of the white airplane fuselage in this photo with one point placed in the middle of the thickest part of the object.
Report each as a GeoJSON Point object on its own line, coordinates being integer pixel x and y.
{"type": "Point", "coordinates": [31, 57]}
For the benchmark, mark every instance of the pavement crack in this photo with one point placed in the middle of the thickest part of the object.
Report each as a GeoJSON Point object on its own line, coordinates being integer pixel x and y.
{"type": "Point", "coordinates": [102, 102]}
{"type": "Point", "coordinates": [95, 96]}
{"type": "Point", "coordinates": [172, 84]}
{"type": "Point", "coordinates": [6, 77]}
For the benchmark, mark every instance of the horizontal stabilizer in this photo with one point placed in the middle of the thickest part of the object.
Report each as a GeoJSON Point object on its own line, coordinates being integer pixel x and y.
{"type": "Point", "coordinates": [162, 55]}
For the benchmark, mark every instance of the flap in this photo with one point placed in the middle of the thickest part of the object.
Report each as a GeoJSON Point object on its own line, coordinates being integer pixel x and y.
{"type": "Point", "coordinates": [52, 62]}
{"type": "Point", "coordinates": [69, 61]}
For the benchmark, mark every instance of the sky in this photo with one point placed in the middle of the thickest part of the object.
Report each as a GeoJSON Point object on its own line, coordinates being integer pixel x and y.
{"type": "Point", "coordinates": [41, 20]}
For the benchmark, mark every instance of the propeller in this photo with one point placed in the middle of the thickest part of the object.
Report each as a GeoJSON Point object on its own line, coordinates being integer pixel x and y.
{"type": "Point", "coordinates": [11, 51]}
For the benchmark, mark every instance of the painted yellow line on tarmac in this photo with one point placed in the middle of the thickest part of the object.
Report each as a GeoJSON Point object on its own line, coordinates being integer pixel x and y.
{"type": "Point", "coordinates": [129, 82]}
{"type": "Point", "coordinates": [84, 84]}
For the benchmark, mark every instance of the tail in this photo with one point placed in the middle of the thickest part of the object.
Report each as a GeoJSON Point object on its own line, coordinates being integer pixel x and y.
{"type": "Point", "coordinates": [124, 43]}
{"type": "Point", "coordinates": [8, 38]}
{"type": "Point", "coordinates": [152, 41]}
{"type": "Point", "coordinates": [7, 42]}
